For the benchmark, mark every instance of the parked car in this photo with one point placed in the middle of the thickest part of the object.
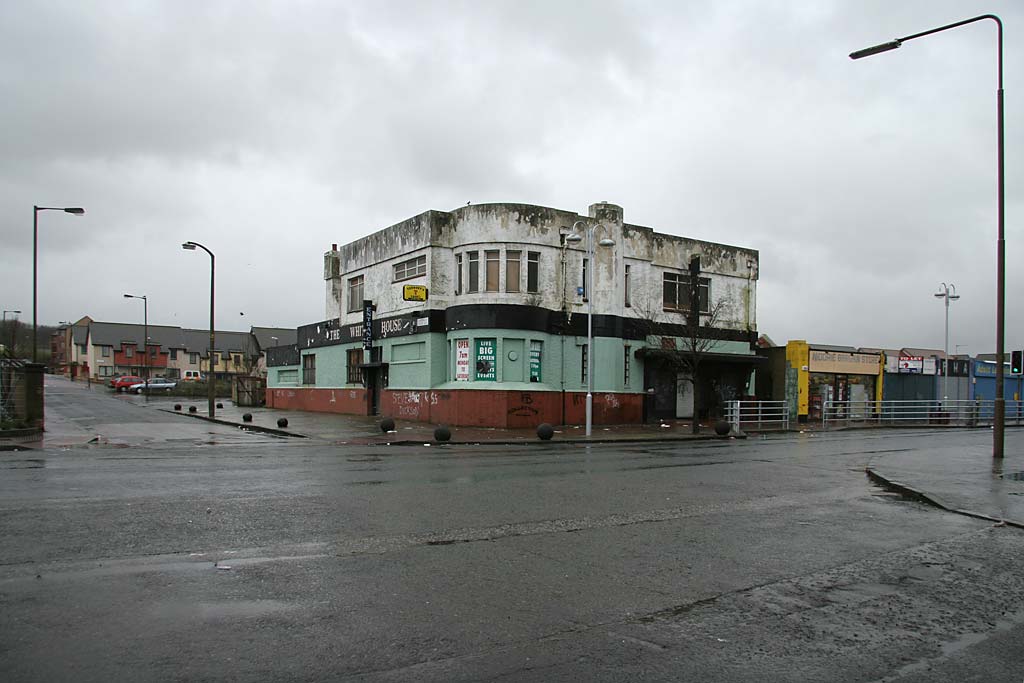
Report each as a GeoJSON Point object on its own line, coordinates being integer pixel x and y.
{"type": "Point", "coordinates": [192, 376]}
{"type": "Point", "coordinates": [125, 381]}
{"type": "Point", "coordinates": [113, 378]}
{"type": "Point", "coordinates": [155, 384]}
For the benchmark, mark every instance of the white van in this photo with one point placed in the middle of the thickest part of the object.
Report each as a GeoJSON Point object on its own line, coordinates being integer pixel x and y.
{"type": "Point", "coordinates": [191, 376]}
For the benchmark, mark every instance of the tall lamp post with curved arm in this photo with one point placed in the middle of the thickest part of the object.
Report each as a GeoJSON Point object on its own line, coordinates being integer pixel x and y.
{"type": "Point", "coordinates": [74, 211]}
{"type": "Point", "coordinates": [210, 379]}
{"type": "Point", "coordinates": [998, 419]}
{"type": "Point", "coordinates": [948, 293]}
{"type": "Point", "coordinates": [576, 238]}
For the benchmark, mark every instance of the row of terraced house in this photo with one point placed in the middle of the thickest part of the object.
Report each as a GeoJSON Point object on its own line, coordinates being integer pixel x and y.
{"type": "Point", "coordinates": [94, 350]}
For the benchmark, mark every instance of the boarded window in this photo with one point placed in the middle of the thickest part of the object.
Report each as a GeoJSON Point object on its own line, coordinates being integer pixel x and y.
{"type": "Point", "coordinates": [625, 286]}
{"type": "Point", "coordinates": [512, 278]}
{"type": "Point", "coordinates": [354, 374]}
{"type": "Point", "coordinates": [309, 369]}
{"type": "Point", "coordinates": [493, 269]}
{"type": "Point", "coordinates": [458, 273]}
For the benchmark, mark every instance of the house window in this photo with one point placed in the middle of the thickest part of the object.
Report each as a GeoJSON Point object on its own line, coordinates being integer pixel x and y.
{"type": "Point", "coordinates": [412, 268]}
{"type": "Point", "coordinates": [458, 273]}
{"type": "Point", "coordinates": [193, 358]}
{"type": "Point", "coordinates": [584, 287]}
{"type": "Point", "coordinates": [355, 293]}
{"type": "Point", "coordinates": [129, 351]}
{"type": "Point", "coordinates": [474, 271]}
{"type": "Point", "coordinates": [532, 271]}
{"type": "Point", "coordinates": [676, 292]}
{"type": "Point", "coordinates": [174, 354]}
{"type": "Point", "coordinates": [355, 373]}
{"type": "Point", "coordinates": [105, 351]}
{"type": "Point", "coordinates": [512, 259]}
{"type": "Point", "coordinates": [625, 363]}
{"type": "Point", "coordinates": [309, 369]}
{"type": "Point", "coordinates": [625, 286]}
{"type": "Point", "coordinates": [584, 358]}
{"type": "Point", "coordinates": [493, 266]}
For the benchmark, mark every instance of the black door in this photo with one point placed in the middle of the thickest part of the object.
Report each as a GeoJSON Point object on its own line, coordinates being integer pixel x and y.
{"type": "Point", "coordinates": [660, 392]}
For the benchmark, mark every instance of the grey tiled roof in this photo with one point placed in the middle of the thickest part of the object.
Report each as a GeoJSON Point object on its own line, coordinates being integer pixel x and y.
{"type": "Point", "coordinates": [285, 336]}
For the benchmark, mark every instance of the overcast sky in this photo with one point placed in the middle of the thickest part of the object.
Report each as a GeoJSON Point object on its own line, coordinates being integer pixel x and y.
{"type": "Point", "coordinates": [267, 131]}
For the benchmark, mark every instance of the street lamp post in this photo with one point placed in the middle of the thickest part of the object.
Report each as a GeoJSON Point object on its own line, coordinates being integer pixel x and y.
{"type": "Point", "coordinates": [210, 379]}
{"type": "Point", "coordinates": [575, 238]}
{"type": "Point", "coordinates": [999, 417]}
{"type": "Point", "coordinates": [14, 328]}
{"type": "Point", "coordinates": [145, 341]}
{"type": "Point", "coordinates": [945, 294]}
{"type": "Point", "coordinates": [74, 210]}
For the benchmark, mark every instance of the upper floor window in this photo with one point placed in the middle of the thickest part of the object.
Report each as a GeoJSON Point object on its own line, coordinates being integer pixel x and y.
{"type": "Point", "coordinates": [493, 269]}
{"type": "Point", "coordinates": [129, 351]}
{"type": "Point", "coordinates": [583, 288]}
{"type": "Point", "coordinates": [532, 271]}
{"type": "Point", "coordinates": [458, 273]}
{"type": "Point", "coordinates": [105, 351]}
{"type": "Point", "coordinates": [676, 292]}
{"type": "Point", "coordinates": [355, 293]}
{"type": "Point", "coordinates": [411, 268]}
{"type": "Point", "coordinates": [193, 358]}
{"type": "Point", "coordinates": [474, 271]}
{"type": "Point", "coordinates": [625, 286]}
{"type": "Point", "coordinates": [512, 277]}
{"type": "Point", "coordinates": [174, 354]}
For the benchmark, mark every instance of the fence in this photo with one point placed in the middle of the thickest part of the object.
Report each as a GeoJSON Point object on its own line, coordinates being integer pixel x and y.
{"type": "Point", "coordinates": [964, 413]}
{"type": "Point", "coordinates": [757, 415]}
{"type": "Point", "coordinates": [21, 394]}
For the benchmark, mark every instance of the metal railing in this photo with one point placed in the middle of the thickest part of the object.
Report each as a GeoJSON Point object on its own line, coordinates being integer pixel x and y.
{"type": "Point", "coordinates": [963, 413]}
{"type": "Point", "coordinates": [757, 415]}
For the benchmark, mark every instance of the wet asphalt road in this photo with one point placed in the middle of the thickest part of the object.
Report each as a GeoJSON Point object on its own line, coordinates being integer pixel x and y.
{"type": "Point", "coordinates": [203, 553]}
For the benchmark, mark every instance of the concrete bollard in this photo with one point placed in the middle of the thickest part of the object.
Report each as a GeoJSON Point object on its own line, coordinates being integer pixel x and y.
{"type": "Point", "coordinates": [282, 422]}
{"type": "Point", "coordinates": [387, 425]}
{"type": "Point", "coordinates": [545, 431]}
{"type": "Point", "coordinates": [722, 428]}
{"type": "Point", "coordinates": [177, 406]}
{"type": "Point", "coordinates": [247, 417]}
{"type": "Point", "coordinates": [442, 433]}
{"type": "Point", "coordinates": [191, 409]}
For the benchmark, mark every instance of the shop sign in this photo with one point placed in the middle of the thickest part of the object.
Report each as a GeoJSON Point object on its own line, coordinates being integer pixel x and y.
{"type": "Point", "coordinates": [913, 365]}
{"type": "Point", "coordinates": [461, 360]}
{"type": "Point", "coordinates": [535, 361]}
{"type": "Point", "coordinates": [414, 293]}
{"type": "Point", "coordinates": [486, 357]}
{"type": "Point", "coordinates": [843, 363]}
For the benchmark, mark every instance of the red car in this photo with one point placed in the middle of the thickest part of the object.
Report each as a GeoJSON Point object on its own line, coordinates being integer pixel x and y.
{"type": "Point", "coordinates": [122, 383]}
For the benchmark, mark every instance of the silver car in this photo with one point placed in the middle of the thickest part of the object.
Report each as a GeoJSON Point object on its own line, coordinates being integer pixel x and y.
{"type": "Point", "coordinates": [155, 384]}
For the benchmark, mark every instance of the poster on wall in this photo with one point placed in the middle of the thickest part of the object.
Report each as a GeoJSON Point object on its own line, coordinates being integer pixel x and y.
{"type": "Point", "coordinates": [486, 358]}
{"type": "Point", "coordinates": [461, 360]}
{"type": "Point", "coordinates": [535, 361]}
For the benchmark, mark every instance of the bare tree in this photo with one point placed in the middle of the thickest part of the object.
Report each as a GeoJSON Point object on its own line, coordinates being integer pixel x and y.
{"type": "Point", "coordinates": [684, 348]}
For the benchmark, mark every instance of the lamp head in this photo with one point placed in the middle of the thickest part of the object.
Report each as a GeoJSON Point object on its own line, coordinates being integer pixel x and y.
{"type": "Point", "coordinates": [574, 238]}
{"type": "Point", "coordinates": [75, 210]}
{"type": "Point", "coordinates": [188, 245]}
{"type": "Point", "coordinates": [606, 242]}
{"type": "Point", "coordinates": [875, 49]}
{"type": "Point", "coordinates": [128, 296]}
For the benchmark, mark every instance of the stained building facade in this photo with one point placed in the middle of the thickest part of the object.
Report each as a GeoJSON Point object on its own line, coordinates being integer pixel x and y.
{"type": "Point", "coordinates": [478, 316]}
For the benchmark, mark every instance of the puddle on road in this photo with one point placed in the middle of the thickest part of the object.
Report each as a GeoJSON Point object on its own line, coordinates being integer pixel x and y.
{"type": "Point", "coordinates": [30, 464]}
{"type": "Point", "coordinates": [220, 611]}
{"type": "Point", "coordinates": [1014, 476]}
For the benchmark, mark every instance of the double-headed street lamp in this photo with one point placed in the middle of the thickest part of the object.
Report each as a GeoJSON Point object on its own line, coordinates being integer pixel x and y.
{"type": "Point", "coordinates": [949, 294]}
{"type": "Point", "coordinates": [14, 329]}
{"type": "Point", "coordinates": [145, 340]}
{"type": "Point", "coordinates": [74, 210]}
{"type": "Point", "coordinates": [998, 420]}
{"type": "Point", "coordinates": [210, 379]}
{"type": "Point", "coordinates": [575, 238]}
